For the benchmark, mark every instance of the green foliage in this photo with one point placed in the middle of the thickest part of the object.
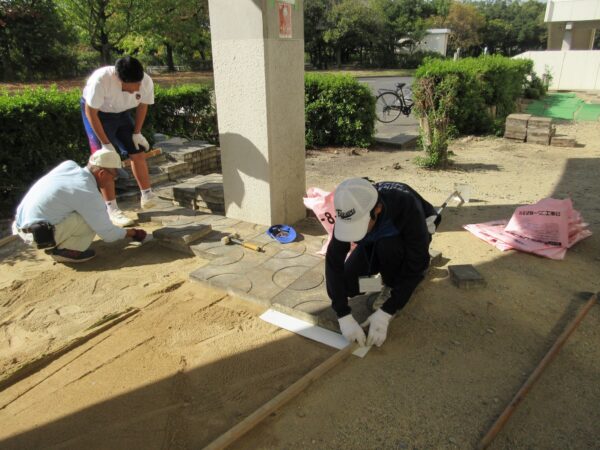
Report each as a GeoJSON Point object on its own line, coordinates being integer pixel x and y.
{"type": "Point", "coordinates": [103, 24]}
{"type": "Point", "coordinates": [39, 129]}
{"type": "Point", "coordinates": [33, 41]}
{"type": "Point", "coordinates": [435, 100]}
{"type": "Point", "coordinates": [186, 111]}
{"type": "Point", "coordinates": [43, 127]}
{"type": "Point", "coordinates": [415, 59]}
{"type": "Point", "coordinates": [535, 87]}
{"type": "Point", "coordinates": [513, 27]}
{"type": "Point", "coordinates": [339, 111]}
{"type": "Point", "coordinates": [483, 83]}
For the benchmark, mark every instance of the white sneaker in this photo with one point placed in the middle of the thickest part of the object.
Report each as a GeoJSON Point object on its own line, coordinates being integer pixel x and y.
{"type": "Point", "coordinates": [148, 201]}
{"type": "Point", "coordinates": [119, 219]}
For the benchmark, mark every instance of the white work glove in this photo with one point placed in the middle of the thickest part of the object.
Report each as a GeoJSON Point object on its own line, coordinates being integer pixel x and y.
{"type": "Point", "coordinates": [109, 147]}
{"type": "Point", "coordinates": [430, 221]}
{"type": "Point", "coordinates": [352, 330]}
{"type": "Point", "coordinates": [139, 139]}
{"type": "Point", "coordinates": [378, 324]}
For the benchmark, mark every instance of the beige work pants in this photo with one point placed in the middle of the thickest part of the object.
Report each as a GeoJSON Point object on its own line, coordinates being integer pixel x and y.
{"type": "Point", "coordinates": [73, 233]}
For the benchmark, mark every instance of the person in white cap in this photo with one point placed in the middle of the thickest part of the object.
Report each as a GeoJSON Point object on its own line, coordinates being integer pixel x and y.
{"type": "Point", "coordinates": [387, 221]}
{"type": "Point", "coordinates": [63, 210]}
{"type": "Point", "coordinates": [109, 95]}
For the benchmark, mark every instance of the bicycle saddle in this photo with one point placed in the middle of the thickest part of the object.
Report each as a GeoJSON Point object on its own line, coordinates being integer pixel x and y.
{"type": "Point", "coordinates": [400, 85]}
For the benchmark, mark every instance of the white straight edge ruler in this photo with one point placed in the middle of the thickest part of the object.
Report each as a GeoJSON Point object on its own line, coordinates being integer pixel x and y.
{"type": "Point", "coordinates": [310, 331]}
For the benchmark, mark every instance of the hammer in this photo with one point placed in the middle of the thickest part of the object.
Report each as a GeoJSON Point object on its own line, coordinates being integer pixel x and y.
{"type": "Point", "coordinates": [235, 239]}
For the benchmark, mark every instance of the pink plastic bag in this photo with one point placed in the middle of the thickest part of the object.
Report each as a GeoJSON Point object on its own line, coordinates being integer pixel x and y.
{"type": "Point", "coordinates": [547, 228]}
{"type": "Point", "coordinates": [321, 203]}
{"type": "Point", "coordinates": [545, 222]}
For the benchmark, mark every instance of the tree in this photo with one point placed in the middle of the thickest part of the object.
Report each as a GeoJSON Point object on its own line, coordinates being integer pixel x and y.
{"type": "Point", "coordinates": [34, 42]}
{"type": "Point", "coordinates": [105, 23]}
{"type": "Point", "coordinates": [354, 27]}
{"type": "Point", "coordinates": [315, 25]}
{"type": "Point", "coordinates": [170, 29]}
{"type": "Point", "coordinates": [513, 27]}
{"type": "Point", "coordinates": [465, 23]}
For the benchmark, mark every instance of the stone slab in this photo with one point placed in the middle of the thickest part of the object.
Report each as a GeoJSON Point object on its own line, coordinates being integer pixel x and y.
{"type": "Point", "coordinates": [563, 141]}
{"type": "Point", "coordinates": [180, 236]}
{"type": "Point", "coordinates": [518, 118]}
{"type": "Point", "coordinates": [465, 276]}
{"type": "Point", "coordinates": [539, 122]}
{"type": "Point", "coordinates": [165, 214]}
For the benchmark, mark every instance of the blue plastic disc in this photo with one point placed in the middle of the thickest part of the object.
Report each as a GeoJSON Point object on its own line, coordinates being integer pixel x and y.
{"type": "Point", "coordinates": [282, 233]}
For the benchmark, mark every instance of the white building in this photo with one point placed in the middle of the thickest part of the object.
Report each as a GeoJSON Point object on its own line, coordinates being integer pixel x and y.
{"type": "Point", "coordinates": [572, 24]}
{"type": "Point", "coordinates": [436, 40]}
{"type": "Point", "coordinates": [570, 60]}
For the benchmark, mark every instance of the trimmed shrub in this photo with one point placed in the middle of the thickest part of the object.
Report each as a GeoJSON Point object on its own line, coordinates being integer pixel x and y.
{"type": "Point", "coordinates": [184, 111]}
{"type": "Point", "coordinates": [485, 84]}
{"type": "Point", "coordinates": [42, 127]}
{"type": "Point", "coordinates": [339, 110]}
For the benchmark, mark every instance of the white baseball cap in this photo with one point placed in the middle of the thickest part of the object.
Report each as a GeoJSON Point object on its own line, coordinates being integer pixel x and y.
{"type": "Point", "coordinates": [106, 159]}
{"type": "Point", "coordinates": [354, 199]}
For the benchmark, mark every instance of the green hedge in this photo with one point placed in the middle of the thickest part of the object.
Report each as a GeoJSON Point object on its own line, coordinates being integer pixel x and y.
{"type": "Point", "coordinates": [339, 110]}
{"type": "Point", "coordinates": [483, 83]}
{"type": "Point", "coordinates": [43, 127]}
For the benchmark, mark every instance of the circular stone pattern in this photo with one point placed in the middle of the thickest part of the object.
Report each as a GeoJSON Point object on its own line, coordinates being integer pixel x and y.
{"type": "Point", "coordinates": [236, 282]}
{"type": "Point", "coordinates": [309, 280]}
{"type": "Point", "coordinates": [226, 254]}
{"type": "Point", "coordinates": [286, 276]}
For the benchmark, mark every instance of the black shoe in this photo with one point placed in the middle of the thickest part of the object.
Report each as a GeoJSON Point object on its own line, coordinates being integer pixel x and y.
{"type": "Point", "coordinates": [72, 256]}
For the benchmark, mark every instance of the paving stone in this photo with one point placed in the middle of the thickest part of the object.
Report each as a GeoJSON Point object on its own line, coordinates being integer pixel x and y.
{"type": "Point", "coordinates": [160, 214]}
{"type": "Point", "coordinates": [289, 258]}
{"type": "Point", "coordinates": [563, 141]}
{"type": "Point", "coordinates": [465, 276]}
{"type": "Point", "coordinates": [178, 236]}
{"type": "Point", "coordinates": [221, 255]}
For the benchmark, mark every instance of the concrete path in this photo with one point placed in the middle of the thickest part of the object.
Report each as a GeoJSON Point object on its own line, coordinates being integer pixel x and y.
{"type": "Point", "coordinates": [402, 132]}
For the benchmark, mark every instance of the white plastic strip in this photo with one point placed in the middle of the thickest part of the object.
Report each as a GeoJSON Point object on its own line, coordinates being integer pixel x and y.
{"type": "Point", "coordinates": [310, 331]}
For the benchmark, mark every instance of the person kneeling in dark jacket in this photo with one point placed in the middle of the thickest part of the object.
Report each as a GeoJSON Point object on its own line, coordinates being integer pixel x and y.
{"type": "Point", "coordinates": [391, 225]}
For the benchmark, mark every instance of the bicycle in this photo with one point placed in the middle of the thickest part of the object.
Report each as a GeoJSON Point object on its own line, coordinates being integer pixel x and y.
{"type": "Point", "coordinates": [390, 103]}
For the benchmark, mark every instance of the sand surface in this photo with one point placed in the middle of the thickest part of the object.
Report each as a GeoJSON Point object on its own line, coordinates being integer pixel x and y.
{"type": "Point", "coordinates": [194, 361]}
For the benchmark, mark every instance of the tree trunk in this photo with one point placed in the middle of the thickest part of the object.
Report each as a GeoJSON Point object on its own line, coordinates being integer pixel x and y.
{"type": "Point", "coordinates": [105, 54]}
{"type": "Point", "coordinates": [170, 62]}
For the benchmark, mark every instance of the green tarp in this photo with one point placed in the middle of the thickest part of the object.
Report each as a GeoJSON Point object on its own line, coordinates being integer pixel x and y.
{"type": "Point", "coordinates": [565, 106]}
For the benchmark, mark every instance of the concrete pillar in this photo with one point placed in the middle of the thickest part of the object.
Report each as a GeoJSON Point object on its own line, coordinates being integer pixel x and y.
{"type": "Point", "coordinates": [258, 58]}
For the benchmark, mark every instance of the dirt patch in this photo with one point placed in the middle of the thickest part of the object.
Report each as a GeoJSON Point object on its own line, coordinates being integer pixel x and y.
{"type": "Point", "coordinates": [194, 362]}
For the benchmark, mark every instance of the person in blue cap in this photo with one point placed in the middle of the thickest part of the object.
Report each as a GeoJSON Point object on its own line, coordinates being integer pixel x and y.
{"type": "Point", "coordinates": [392, 226]}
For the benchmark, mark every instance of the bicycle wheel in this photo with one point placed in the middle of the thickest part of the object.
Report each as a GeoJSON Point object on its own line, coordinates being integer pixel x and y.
{"type": "Point", "coordinates": [388, 107]}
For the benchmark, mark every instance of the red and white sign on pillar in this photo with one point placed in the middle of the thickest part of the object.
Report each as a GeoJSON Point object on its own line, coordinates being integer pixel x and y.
{"type": "Point", "coordinates": [285, 19]}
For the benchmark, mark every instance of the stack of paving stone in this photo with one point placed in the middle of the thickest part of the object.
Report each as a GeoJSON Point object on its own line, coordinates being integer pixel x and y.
{"type": "Point", "coordinates": [539, 130]}
{"type": "Point", "coordinates": [201, 193]}
{"type": "Point", "coordinates": [525, 127]}
{"type": "Point", "coordinates": [178, 158]}
{"type": "Point", "coordinates": [516, 127]}
{"type": "Point", "coordinates": [199, 156]}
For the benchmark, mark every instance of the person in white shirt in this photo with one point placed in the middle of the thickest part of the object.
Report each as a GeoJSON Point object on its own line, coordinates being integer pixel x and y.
{"type": "Point", "coordinates": [63, 210]}
{"type": "Point", "coordinates": [109, 95]}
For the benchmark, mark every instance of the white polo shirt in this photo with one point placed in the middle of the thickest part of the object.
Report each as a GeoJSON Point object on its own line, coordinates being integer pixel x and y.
{"type": "Point", "coordinates": [103, 91]}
